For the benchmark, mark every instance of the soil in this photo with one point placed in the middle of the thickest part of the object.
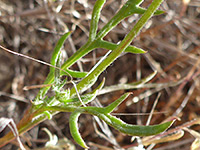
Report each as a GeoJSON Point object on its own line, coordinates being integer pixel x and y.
{"type": "Point", "coordinates": [172, 42]}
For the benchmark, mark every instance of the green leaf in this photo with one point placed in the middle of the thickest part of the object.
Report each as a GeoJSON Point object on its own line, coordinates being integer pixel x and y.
{"type": "Point", "coordinates": [89, 80]}
{"type": "Point", "coordinates": [95, 19]}
{"type": "Point", "coordinates": [85, 98]}
{"type": "Point", "coordinates": [59, 85]}
{"type": "Point", "coordinates": [57, 79]}
{"type": "Point", "coordinates": [76, 102]}
{"type": "Point", "coordinates": [129, 129]}
{"type": "Point", "coordinates": [57, 50]}
{"type": "Point", "coordinates": [73, 125]}
{"type": "Point", "coordinates": [127, 86]}
{"type": "Point", "coordinates": [135, 130]}
{"type": "Point", "coordinates": [48, 114]}
{"type": "Point", "coordinates": [112, 46]}
{"type": "Point", "coordinates": [73, 73]}
{"type": "Point", "coordinates": [62, 95]}
{"type": "Point", "coordinates": [54, 59]}
{"type": "Point", "coordinates": [140, 10]}
{"type": "Point", "coordinates": [85, 49]}
{"type": "Point", "coordinates": [129, 8]}
{"type": "Point", "coordinates": [117, 102]}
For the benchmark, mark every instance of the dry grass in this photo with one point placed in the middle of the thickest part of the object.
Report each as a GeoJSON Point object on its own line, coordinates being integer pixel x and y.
{"type": "Point", "coordinates": [173, 44]}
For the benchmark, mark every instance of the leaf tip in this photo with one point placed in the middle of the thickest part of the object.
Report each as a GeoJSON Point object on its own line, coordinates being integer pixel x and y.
{"type": "Point", "coordinates": [160, 12]}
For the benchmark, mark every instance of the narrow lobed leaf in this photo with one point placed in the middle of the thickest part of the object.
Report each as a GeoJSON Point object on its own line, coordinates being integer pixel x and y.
{"type": "Point", "coordinates": [89, 80]}
{"type": "Point", "coordinates": [76, 102]}
{"type": "Point", "coordinates": [134, 85]}
{"type": "Point", "coordinates": [48, 114]}
{"type": "Point", "coordinates": [73, 125]}
{"type": "Point", "coordinates": [141, 10]}
{"type": "Point", "coordinates": [95, 19]}
{"type": "Point", "coordinates": [129, 129]}
{"type": "Point", "coordinates": [85, 98]}
{"type": "Point", "coordinates": [74, 74]}
{"type": "Point", "coordinates": [55, 56]}
{"type": "Point", "coordinates": [117, 102]}
{"type": "Point", "coordinates": [57, 50]}
{"type": "Point", "coordinates": [135, 130]}
{"type": "Point", "coordinates": [112, 46]}
{"type": "Point", "coordinates": [129, 8]}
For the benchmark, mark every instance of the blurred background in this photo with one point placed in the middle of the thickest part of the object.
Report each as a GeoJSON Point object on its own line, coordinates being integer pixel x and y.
{"type": "Point", "coordinates": [33, 27]}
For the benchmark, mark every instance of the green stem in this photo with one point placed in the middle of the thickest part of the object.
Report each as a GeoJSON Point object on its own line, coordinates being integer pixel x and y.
{"type": "Point", "coordinates": [128, 9]}
{"type": "Point", "coordinates": [26, 123]}
{"type": "Point", "coordinates": [88, 81]}
{"type": "Point", "coordinates": [29, 119]}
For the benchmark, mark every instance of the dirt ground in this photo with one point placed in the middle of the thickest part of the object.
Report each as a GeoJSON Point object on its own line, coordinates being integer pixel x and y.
{"type": "Point", "coordinates": [173, 44]}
